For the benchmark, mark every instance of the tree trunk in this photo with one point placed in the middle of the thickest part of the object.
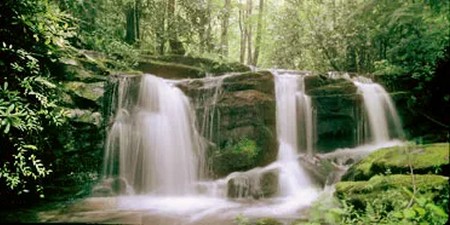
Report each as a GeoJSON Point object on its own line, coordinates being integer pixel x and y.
{"type": "Point", "coordinates": [209, 44]}
{"type": "Point", "coordinates": [249, 32]}
{"type": "Point", "coordinates": [132, 18]}
{"type": "Point", "coordinates": [176, 47]}
{"type": "Point", "coordinates": [130, 36]}
{"type": "Point", "coordinates": [224, 33]}
{"type": "Point", "coordinates": [205, 28]}
{"type": "Point", "coordinates": [160, 28]}
{"type": "Point", "coordinates": [243, 31]}
{"type": "Point", "coordinates": [137, 16]}
{"type": "Point", "coordinates": [258, 33]}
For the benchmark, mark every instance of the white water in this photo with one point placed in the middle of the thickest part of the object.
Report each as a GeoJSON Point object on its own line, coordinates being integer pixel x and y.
{"type": "Point", "coordinates": [154, 146]}
{"type": "Point", "coordinates": [154, 143]}
{"type": "Point", "coordinates": [294, 129]}
{"type": "Point", "coordinates": [384, 122]}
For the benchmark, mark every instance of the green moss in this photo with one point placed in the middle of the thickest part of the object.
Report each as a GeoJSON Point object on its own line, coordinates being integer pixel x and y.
{"type": "Point", "coordinates": [204, 64]}
{"type": "Point", "coordinates": [240, 156]}
{"type": "Point", "coordinates": [380, 183]}
{"type": "Point", "coordinates": [336, 88]}
{"type": "Point", "coordinates": [431, 158]}
{"type": "Point", "coordinates": [91, 91]}
{"type": "Point", "coordinates": [170, 70]}
{"type": "Point", "coordinates": [391, 199]}
{"type": "Point", "coordinates": [268, 221]}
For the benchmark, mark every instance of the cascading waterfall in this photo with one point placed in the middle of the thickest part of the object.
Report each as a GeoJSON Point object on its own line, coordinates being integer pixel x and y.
{"type": "Point", "coordinates": [384, 122]}
{"type": "Point", "coordinates": [295, 130]}
{"type": "Point", "coordinates": [153, 145]}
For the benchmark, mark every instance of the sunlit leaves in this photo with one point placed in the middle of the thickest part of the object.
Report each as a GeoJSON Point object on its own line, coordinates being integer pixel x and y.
{"type": "Point", "coordinates": [36, 35]}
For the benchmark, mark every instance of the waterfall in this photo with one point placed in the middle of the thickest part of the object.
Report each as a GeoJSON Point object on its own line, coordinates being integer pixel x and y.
{"type": "Point", "coordinates": [295, 130]}
{"type": "Point", "coordinates": [153, 145]}
{"type": "Point", "coordinates": [383, 120]}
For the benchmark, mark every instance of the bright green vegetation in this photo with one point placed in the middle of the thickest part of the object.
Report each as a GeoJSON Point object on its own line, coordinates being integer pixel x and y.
{"type": "Point", "coordinates": [391, 199]}
{"type": "Point", "coordinates": [394, 196]}
{"type": "Point", "coordinates": [38, 134]}
{"type": "Point", "coordinates": [431, 158]}
{"type": "Point", "coordinates": [240, 156]}
{"type": "Point", "coordinates": [33, 39]}
{"type": "Point", "coordinates": [241, 220]}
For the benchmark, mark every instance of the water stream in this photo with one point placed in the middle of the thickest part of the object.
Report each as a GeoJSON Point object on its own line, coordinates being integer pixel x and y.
{"type": "Point", "coordinates": [384, 122]}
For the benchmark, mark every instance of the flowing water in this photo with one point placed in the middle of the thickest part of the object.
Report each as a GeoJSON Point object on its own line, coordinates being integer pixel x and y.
{"type": "Point", "coordinates": [156, 153]}
{"type": "Point", "coordinates": [384, 122]}
{"type": "Point", "coordinates": [294, 129]}
{"type": "Point", "coordinates": [153, 146]}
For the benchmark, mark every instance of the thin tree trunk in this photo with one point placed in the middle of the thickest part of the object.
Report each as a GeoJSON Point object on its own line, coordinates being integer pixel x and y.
{"type": "Point", "coordinates": [258, 33]}
{"type": "Point", "coordinates": [243, 31]}
{"type": "Point", "coordinates": [205, 28]}
{"type": "Point", "coordinates": [176, 47]}
{"type": "Point", "coordinates": [137, 15]}
{"type": "Point", "coordinates": [209, 45]}
{"type": "Point", "coordinates": [249, 32]}
{"type": "Point", "coordinates": [132, 16]}
{"type": "Point", "coordinates": [224, 33]}
{"type": "Point", "coordinates": [130, 36]}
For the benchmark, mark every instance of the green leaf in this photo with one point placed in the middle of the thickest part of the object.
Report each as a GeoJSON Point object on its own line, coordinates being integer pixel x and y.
{"type": "Point", "coordinates": [409, 213]}
{"type": "Point", "coordinates": [421, 211]}
{"type": "Point", "coordinates": [436, 210]}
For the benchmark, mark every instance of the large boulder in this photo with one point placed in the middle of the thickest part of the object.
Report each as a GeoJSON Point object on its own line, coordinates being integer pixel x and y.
{"type": "Point", "coordinates": [256, 183]}
{"type": "Point", "coordinates": [424, 159]}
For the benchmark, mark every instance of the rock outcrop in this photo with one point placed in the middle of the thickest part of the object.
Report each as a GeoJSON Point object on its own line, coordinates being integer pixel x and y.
{"type": "Point", "coordinates": [337, 108]}
{"type": "Point", "coordinates": [236, 107]}
{"type": "Point", "coordinates": [426, 159]}
{"type": "Point", "coordinates": [253, 184]}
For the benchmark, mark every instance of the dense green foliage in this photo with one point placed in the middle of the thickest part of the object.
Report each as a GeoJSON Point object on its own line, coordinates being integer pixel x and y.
{"type": "Point", "coordinates": [34, 35]}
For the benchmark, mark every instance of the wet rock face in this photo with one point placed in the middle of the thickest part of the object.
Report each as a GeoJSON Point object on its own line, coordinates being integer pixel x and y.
{"type": "Point", "coordinates": [253, 184]}
{"type": "Point", "coordinates": [244, 107]}
{"type": "Point", "coordinates": [338, 109]}
{"type": "Point", "coordinates": [110, 187]}
{"type": "Point", "coordinates": [237, 107]}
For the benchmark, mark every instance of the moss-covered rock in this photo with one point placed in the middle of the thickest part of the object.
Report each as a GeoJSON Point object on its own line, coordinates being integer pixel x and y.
{"type": "Point", "coordinates": [256, 183]}
{"type": "Point", "coordinates": [234, 107]}
{"type": "Point", "coordinates": [204, 64]}
{"type": "Point", "coordinates": [431, 158]}
{"type": "Point", "coordinates": [261, 81]}
{"type": "Point", "coordinates": [85, 116]}
{"type": "Point", "coordinates": [180, 67]}
{"type": "Point", "coordinates": [337, 105]}
{"type": "Point", "coordinates": [360, 193]}
{"type": "Point", "coordinates": [85, 95]}
{"type": "Point", "coordinates": [240, 156]}
{"type": "Point", "coordinates": [170, 70]}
